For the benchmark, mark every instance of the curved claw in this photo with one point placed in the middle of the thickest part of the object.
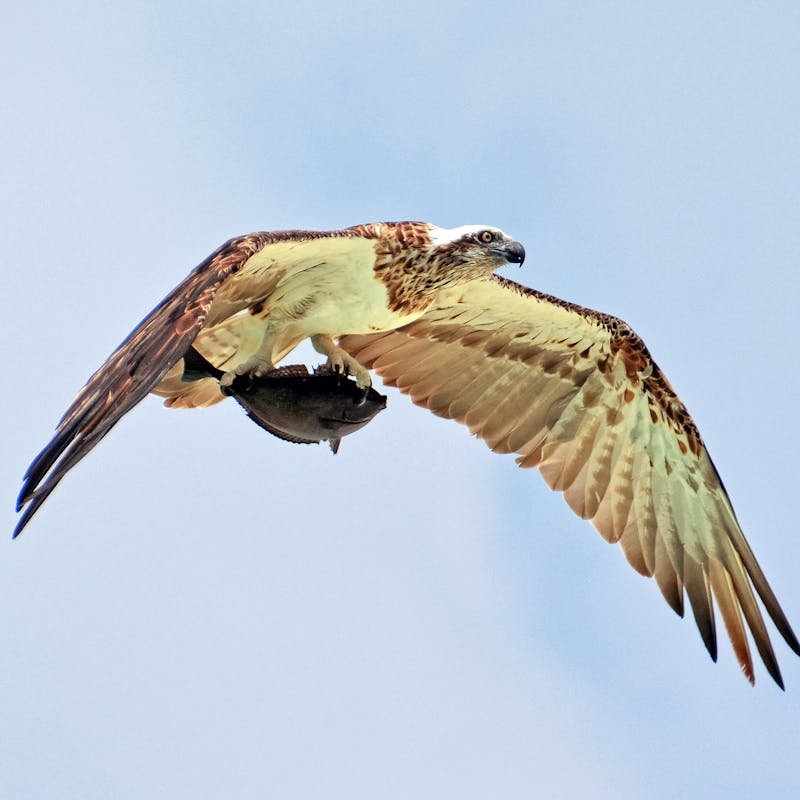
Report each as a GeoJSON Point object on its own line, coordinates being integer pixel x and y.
{"type": "Point", "coordinates": [339, 360]}
{"type": "Point", "coordinates": [254, 367]}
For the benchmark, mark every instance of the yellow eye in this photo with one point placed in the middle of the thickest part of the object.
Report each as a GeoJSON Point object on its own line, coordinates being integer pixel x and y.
{"type": "Point", "coordinates": [486, 237]}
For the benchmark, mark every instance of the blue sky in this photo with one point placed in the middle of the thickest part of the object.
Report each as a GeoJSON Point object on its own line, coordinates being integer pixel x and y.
{"type": "Point", "coordinates": [201, 610]}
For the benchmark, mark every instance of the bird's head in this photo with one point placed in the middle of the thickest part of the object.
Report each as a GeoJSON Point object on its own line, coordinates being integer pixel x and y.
{"type": "Point", "coordinates": [417, 260]}
{"type": "Point", "coordinates": [473, 251]}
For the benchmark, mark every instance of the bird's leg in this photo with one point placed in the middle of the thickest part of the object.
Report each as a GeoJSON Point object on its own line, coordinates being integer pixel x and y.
{"type": "Point", "coordinates": [258, 365]}
{"type": "Point", "coordinates": [341, 361]}
{"type": "Point", "coordinates": [255, 367]}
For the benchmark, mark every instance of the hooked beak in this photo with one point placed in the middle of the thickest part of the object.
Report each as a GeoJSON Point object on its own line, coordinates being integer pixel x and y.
{"type": "Point", "coordinates": [513, 252]}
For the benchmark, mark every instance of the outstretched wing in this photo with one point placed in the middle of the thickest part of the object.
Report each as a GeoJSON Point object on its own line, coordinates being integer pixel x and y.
{"type": "Point", "coordinates": [576, 393]}
{"type": "Point", "coordinates": [132, 371]}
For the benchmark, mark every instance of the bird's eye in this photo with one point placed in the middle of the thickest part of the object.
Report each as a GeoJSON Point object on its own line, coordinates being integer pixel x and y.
{"type": "Point", "coordinates": [486, 236]}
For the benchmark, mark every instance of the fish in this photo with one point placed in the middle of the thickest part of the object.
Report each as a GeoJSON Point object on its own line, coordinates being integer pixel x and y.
{"type": "Point", "coordinates": [294, 404]}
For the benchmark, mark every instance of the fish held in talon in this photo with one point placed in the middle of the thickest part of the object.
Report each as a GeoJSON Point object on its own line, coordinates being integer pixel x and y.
{"type": "Point", "coordinates": [294, 404]}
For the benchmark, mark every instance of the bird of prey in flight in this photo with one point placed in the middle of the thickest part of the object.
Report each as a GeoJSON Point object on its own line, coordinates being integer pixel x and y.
{"type": "Point", "coordinates": [571, 391]}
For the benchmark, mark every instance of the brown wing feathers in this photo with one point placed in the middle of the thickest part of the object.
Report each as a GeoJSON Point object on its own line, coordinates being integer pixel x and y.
{"type": "Point", "coordinates": [577, 394]}
{"type": "Point", "coordinates": [132, 371]}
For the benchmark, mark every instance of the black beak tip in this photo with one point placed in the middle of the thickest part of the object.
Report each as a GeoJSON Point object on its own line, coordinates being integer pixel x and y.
{"type": "Point", "coordinates": [516, 253]}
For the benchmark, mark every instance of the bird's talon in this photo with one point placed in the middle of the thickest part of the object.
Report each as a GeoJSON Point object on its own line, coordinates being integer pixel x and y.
{"type": "Point", "coordinates": [252, 368]}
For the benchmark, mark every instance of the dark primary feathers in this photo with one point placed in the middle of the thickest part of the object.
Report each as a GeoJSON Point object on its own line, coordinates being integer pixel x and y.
{"type": "Point", "coordinates": [131, 372]}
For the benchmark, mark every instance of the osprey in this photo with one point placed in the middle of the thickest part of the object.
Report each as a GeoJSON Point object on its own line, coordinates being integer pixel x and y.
{"type": "Point", "coordinates": [571, 391]}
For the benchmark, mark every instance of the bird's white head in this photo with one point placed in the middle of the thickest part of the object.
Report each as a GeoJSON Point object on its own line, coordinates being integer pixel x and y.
{"type": "Point", "coordinates": [475, 250]}
{"type": "Point", "coordinates": [416, 260]}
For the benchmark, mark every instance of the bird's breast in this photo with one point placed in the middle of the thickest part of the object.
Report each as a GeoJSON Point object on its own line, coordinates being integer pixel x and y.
{"type": "Point", "coordinates": [335, 299]}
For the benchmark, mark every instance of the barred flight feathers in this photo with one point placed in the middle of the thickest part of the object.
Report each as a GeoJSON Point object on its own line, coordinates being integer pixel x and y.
{"type": "Point", "coordinates": [576, 393]}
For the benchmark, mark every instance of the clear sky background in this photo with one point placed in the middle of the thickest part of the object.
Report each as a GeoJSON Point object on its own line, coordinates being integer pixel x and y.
{"type": "Point", "coordinates": [204, 611]}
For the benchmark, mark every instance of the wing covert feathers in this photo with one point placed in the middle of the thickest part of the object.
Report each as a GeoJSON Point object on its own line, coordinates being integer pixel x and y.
{"type": "Point", "coordinates": [576, 393]}
{"type": "Point", "coordinates": [132, 371]}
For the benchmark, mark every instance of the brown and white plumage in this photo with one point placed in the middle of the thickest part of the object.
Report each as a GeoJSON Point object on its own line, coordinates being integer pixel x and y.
{"type": "Point", "coordinates": [254, 300]}
{"type": "Point", "coordinates": [569, 390]}
{"type": "Point", "coordinates": [576, 393]}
